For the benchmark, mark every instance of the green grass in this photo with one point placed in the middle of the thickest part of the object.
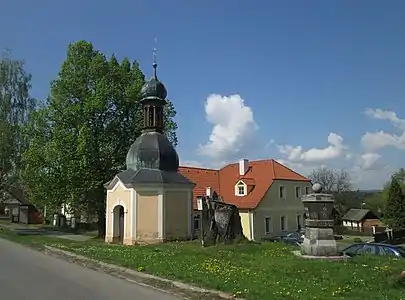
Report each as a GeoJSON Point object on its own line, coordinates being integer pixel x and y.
{"type": "Point", "coordinates": [253, 271]}
{"type": "Point", "coordinates": [34, 241]}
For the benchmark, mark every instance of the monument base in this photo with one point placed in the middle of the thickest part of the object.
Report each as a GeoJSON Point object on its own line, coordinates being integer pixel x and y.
{"type": "Point", "coordinates": [319, 242]}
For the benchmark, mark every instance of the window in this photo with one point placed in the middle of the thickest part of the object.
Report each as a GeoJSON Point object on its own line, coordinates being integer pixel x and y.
{"type": "Point", "coordinates": [283, 223]}
{"type": "Point", "coordinates": [197, 222]}
{"type": "Point", "coordinates": [299, 221]}
{"type": "Point", "coordinates": [367, 249]}
{"type": "Point", "coordinates": [267, 225]}
{"type": "Point", "coordinates": [386, 251]}
{"type": "Point", "coordinates": [307, 190]}
{"type": "Point", "coordinates": [298, 192]}
{"type": "Point", "coordinates": [353, 249]}
{"type": "Point", "coordinates": [282, 192]}
{"type": "Point", "coordinates": [241, 189]}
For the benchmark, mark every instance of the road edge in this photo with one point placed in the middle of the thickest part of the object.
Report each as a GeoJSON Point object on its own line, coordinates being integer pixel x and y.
{"type": "Point", "coordinates": [140, 277]}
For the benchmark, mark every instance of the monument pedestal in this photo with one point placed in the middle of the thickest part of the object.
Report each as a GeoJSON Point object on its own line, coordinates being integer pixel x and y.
{"type": "Point", "coordinates": [319, 242]}
{"type": "Point", "coordinates": [319, 239]}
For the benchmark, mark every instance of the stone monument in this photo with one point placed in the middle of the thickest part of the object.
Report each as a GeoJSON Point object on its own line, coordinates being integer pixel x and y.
{"type": "Point", "coordinates": [319, 239]}
{"type": "Point", "coordinates": [221, 222]}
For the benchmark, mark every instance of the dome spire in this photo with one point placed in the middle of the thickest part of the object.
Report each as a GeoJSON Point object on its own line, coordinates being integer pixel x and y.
{"type": "Point", "coordinates": [154, 65]}
{"type": "Point", "coordinates": [153, 88]}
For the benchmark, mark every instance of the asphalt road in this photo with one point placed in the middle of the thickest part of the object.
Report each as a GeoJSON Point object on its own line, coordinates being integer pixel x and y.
{"type": "Point", "coordinates": [26, 274]}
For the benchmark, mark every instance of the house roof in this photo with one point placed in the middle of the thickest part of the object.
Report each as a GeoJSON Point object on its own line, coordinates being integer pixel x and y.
{"type": "Point", "coordinates": [356, 214]}
{"type": "Point", "coordinates": [248, 181]}
{"type": "Point", "coordinates": [145, 176]}
{"type": "Point", "coordinates": [202, 179]}
{"type": "Point", "coordinates": [18, 194]}
{"type": "Point", "coordinates": [261, 173]}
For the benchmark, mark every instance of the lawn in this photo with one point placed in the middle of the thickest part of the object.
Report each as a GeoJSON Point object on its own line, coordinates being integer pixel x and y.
{"type": "Point", "coordinates": [252, 271]}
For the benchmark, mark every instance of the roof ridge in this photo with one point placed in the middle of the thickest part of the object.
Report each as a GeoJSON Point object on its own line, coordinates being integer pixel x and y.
{"type": "Point", "coordinates": [289, 169]}
{"type": "Point", "coordinates": [198, 168]}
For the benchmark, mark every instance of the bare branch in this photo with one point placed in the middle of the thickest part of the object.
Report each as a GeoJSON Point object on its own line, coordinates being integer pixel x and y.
{"type": "Point", "coordinates": [332, 181]}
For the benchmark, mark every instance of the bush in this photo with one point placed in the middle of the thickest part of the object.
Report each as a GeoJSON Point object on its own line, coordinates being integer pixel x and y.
{"type": "Point", "coordinates": [357, 240]}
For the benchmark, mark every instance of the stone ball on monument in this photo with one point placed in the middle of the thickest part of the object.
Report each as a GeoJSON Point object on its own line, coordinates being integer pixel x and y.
{"type": "Point", "coordinates": [317, 188]}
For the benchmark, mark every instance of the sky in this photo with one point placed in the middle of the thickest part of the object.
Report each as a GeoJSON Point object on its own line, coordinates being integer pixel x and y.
{"type": "Point", "coordinates": [308, 83]}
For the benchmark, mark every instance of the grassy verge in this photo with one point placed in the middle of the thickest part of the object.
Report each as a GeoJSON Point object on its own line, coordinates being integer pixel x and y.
{"type": "Point", "coordinates": [33, 241]}
{"type": "Point", "coordinates": [253, 271]}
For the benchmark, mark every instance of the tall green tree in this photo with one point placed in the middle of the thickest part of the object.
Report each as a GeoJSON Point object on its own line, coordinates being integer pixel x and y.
{"type": "Point", "coordinates": [394, 213]}
{"type": "Point", "coordinates": [91, 118]}
{"type": "Point", "coordinates": [16, 108]}
{"type": "Point", "coordinates": [377, 201]}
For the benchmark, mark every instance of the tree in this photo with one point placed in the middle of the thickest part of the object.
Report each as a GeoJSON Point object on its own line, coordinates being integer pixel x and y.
{"type": "Point", "coordinates": [336, 182]}
{"type": "Point", "coordinates": [375, 202]}
{"type": "Point", "coordinates": [16, 108]}
{"type": "Point", "coordinates": [332, 180]}
{"type": "Point", "coordinates": [91, 118]}
{"type": "Point", "coordinates": [394, 213]}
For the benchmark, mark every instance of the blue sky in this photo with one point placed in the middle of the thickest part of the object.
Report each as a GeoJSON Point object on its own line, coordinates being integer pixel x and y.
{"type": "Point", "coordinates": [291, 72]}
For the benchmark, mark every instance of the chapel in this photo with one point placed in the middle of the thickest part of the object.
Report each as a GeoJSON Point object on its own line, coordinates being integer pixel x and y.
{"type": "Point", "coordinates": [150, 202]}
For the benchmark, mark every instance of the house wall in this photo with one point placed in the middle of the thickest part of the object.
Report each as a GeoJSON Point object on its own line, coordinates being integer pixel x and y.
{"type": "Point", "coordinates": [352, 224]}
{"type": "Point", "coordinates": [147, 205]}
{"type": "Point", "coordinates": [119, 195]}
{"type": "Point", "coordinates": [367, 223]}
{"type": "Point", "coordinates": [372, 222]}
{"type": "Point", "coordinates": [178, 208]}
{"type": "Point", "coordinates": [13, 205]}
{"type": "Point", "coordinates": [274, 207]}
{"type": "Point", "coordinates": [245, 218]}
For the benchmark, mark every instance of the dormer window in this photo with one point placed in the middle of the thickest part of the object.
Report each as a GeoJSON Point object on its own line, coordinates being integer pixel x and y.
{"type": "Point", "coordinates": [244, 186]}
{"type": "Point", "coordinates": [241, 189]}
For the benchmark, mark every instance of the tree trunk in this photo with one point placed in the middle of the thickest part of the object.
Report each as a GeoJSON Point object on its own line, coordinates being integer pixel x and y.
{"type": "Point", "coordinates": [101, 211]}
{"type": "Point", "coordinates": [101, 224]}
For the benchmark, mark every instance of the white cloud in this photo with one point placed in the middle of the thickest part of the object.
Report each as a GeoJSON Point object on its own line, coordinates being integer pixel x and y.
{"type": "Point", "coordinates": [336, 149]}
{"type": "Point", "coordinates": [368, 161]}
{"type": "Point", "coordinates": [302, 168]}
{"type": "Point", "coordinates": [191, 163]}
{"type": "Point", "coordinates": [391, 116]}
{"type": "Point", "coordinates": [373, 141]}
{"type": "Point", "coordinates": [373, 178]}
{"type": "Point", "coordinates": [365, 173]}
{"type": "Point", "coordinates": [269, 144]}
{"type": "Point", "coordinates": [233, 130]}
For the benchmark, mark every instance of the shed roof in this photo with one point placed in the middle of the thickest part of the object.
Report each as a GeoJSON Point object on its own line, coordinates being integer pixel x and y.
{"type": "Point", "coordinates": [356, 214]}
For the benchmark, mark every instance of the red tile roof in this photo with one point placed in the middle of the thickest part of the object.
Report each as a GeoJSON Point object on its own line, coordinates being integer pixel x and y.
{"type": "Point", "coordinates": [202, 178]}
{"type": "Point", "coordinates": [248, 181]}
{"type": "Point", "coordinates": [261, 174]}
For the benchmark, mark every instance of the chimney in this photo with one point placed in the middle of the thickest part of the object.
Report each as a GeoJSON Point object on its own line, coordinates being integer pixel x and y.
{"type": "Point", "coordinates": [208, 192]}
{"type": "Point", "coordinates": [243, 166]}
